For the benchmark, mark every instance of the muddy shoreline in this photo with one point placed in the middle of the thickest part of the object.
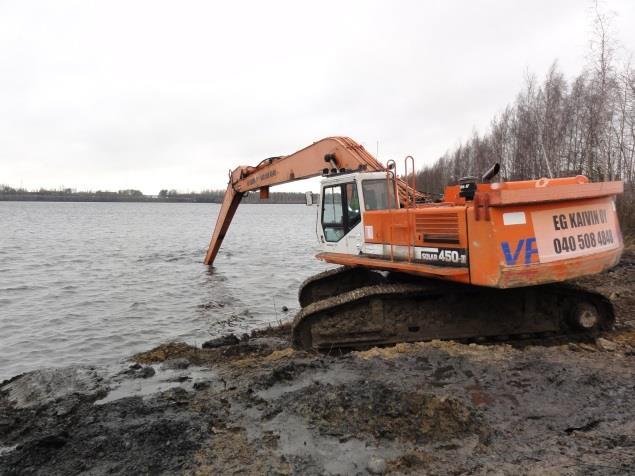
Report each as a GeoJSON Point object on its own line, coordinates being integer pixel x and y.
{"type": "Point", "coordinates": [256, 406]}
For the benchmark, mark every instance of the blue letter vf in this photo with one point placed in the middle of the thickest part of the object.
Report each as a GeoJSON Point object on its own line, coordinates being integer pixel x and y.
{"type": "Point", "coordinates": [526, 244]}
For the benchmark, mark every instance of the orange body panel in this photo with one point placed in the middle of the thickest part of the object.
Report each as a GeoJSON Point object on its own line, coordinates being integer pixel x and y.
{"type": "Point", "coordinates": [510, 255]}
{"type": "Point", "coordinates": [422, 226]}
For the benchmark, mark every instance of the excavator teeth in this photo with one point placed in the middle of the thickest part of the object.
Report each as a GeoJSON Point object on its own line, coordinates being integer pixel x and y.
{"type": "Point", "coordinates": [388, 310]}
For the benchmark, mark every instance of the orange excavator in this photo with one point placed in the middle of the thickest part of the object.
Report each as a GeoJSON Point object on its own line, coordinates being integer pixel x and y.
{"type": "Point", "coordinates": [485, 260]}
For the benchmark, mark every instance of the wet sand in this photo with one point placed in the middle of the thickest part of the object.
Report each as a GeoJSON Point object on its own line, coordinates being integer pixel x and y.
{"type": "Point", "coordinates": [257, 406]}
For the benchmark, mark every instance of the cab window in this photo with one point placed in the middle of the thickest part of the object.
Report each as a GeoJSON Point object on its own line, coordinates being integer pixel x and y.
{"type": "Point", "coordinates": [377, 196]}
{"type": "Point", "coordinates": [352, 205]}
{"type": "Point", "coordinates": [340, 210]}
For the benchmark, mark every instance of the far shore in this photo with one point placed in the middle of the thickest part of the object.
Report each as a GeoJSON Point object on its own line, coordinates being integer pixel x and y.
{"type": "Point", "coordinates": [138, 197]}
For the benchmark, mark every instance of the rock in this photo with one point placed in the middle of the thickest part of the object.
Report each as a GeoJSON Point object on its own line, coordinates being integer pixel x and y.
{"type": "Point", "coordinates": [587, 347]}
{"type": "Point", "coordinates": [223, 341]}
{"type": "Point", "coordinates": [145, 372]}
{"type": "Point", "coordinates": [65, 407]}
{"type": "Point", "coordinates": [268, 343]}
{"type": "Point", "coordinates": [54, 441]}
{"type": "Point", "coordinates": [175, 364]}
{"type": "Point", "coordinates": [606, 345]}
{"type": "Point", "coordinates": [139, 371]}
{"type": "Point", "coordinates": [202, 385]}
{"type": "Point", "coordinates": [180, 379]}
{"type": "Point", "coordinates": [376, 465]}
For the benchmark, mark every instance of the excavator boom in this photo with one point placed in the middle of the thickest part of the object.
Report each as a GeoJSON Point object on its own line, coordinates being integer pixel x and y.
{"type": "Point", "coordinates": [332, 154]}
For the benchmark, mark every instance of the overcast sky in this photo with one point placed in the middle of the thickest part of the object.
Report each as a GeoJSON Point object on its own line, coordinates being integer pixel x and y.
{"type": "Point", "coordinates": [157, 94]}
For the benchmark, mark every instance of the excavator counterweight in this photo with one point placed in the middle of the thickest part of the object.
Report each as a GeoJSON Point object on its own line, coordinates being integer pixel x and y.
{"type": "Point", "coordinates": [488, 259]}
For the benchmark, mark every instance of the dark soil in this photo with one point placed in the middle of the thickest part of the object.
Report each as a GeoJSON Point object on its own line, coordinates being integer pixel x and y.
{"type": "Point", "coordinates": [259, 407]}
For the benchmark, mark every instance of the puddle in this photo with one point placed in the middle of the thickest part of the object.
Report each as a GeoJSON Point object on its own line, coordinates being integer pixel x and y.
{"type": "Point", "coordinates": [334, 454]}
{"type": "Point", "coordinates": [50, 384]}
{"type": "Point", "coordinates": [124, 386]}
{"type": "Point", "coordinates": [340, 377]}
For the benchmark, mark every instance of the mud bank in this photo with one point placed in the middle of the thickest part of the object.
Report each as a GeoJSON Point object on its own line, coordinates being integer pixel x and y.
{"type": "Point", "coordinates": [258, 407]}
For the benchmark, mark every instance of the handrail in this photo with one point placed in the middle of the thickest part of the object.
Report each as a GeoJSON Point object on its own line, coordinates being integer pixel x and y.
{"type": "Point", "coordinates": [412, 187]}
{"type": "Point", "coordinates": [412, 202]}
{"type": "Point", "coordinates": [390, 166]}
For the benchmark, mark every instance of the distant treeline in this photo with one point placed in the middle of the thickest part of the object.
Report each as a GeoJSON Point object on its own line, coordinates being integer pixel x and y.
{"type": "Point", "coordinates": [558, 128]}
{"type": "Point", "coordinates": [216, 196]}
{"type": "Point", "coordinates": [208, 196]}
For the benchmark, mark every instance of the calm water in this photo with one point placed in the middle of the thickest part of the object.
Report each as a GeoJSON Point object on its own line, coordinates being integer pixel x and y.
{"type": "Point", "coordinates": [91, 282]}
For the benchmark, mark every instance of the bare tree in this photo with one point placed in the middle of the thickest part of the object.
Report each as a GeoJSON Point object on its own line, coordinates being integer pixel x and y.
{"type": "Point", "coordinates": [558, 128]}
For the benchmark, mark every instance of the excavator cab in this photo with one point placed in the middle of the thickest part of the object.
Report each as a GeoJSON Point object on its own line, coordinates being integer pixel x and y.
{"type": "Point", "coordinates": [344, 198]}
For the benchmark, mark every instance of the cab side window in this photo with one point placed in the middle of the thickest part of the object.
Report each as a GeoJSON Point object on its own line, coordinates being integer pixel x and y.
{"type": "Point", "coordinates": [333, 213]}
{"type": "Point", "coordinates": [378, 196]}
{"type": "Point", "coordinates": [340, 210]}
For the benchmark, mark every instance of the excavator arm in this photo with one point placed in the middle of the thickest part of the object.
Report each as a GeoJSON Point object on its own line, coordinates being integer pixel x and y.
{"type": "Point", "coordinates": [326, 155]}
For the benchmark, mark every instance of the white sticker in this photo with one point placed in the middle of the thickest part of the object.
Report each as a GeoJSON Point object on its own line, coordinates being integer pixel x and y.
{"type": "Point", "coordinates": [373, 249]}
{"type": "Point", "coordinates": [368, 232]}
{"type": "Point", "coordinates": [563, 233]}
{"type": "Point", "coordinates": [514, 218]}
{"type": "Point", "coordinates": [429, 250]}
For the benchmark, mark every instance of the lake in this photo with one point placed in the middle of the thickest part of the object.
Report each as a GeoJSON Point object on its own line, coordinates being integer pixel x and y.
{"type": "Point", "coordinates": [92, 282]}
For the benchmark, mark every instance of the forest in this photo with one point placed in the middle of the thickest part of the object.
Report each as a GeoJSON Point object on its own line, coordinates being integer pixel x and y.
{"type": "Point", "coordinates": [558, 127]}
